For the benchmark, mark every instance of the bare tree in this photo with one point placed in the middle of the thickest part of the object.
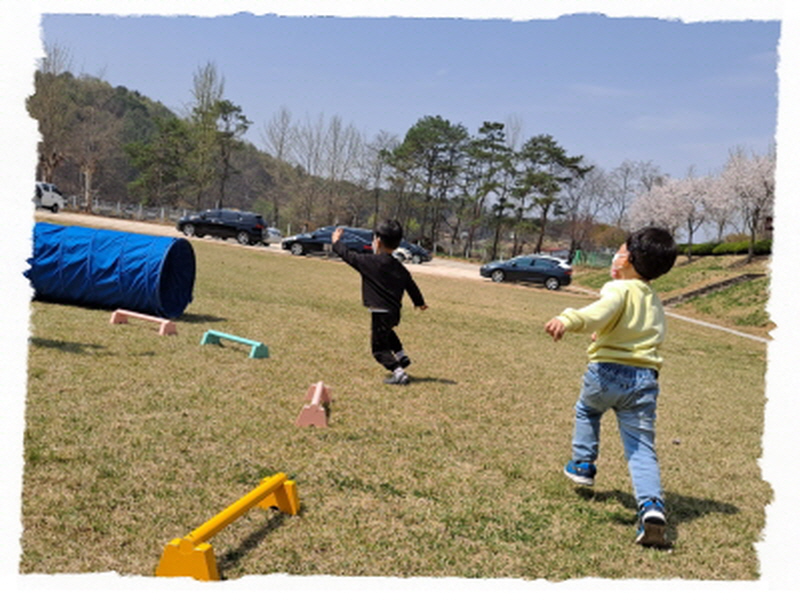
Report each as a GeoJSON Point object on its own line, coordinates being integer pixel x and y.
{"type": "Point", "coordinates": [94, 138]}
{"type": "Point", "coordinates": [622, 189]}
{"type": "Point", "coordinates": [625, 183]}
{"type": "Point", "coordinates": [308, 155]}
{"type": "Point", "coordinates": [207, 91]}
{"type": "Point", "coordinates": [375, 160]}
{"type": "Point", "coordinates": [278, 134]}
{"type": "Point", "coordinates": [342, 147]}
{"type": "Point", "coordinates": [584, 199]}
{"type": "Point", "coordinates": [278, 137]}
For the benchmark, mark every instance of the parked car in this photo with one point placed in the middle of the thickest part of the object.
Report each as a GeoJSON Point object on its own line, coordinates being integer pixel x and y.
{"type": "Point", "coordinates": [411, 252]}
{"type": "Point", "coordinates": [536, 268]}
{"type": "Point", "coordinates": [246, 227]}
{"type": "Point", "coordinates": [47, 195]}
{"type": "Point", "coordinates": [273, 236]}
{"type": "Point", "coordinates": [319, 240]}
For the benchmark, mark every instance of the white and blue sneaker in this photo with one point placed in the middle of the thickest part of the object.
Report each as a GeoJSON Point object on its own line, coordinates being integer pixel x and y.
{"type": "Point", "coordinates": [580, 472]}
{"type": "Point", "coordinates": [652, 524]}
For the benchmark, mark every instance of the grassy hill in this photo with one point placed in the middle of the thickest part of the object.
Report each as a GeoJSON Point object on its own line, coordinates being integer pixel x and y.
{"type": "Point", "coordinates": [742, 306]}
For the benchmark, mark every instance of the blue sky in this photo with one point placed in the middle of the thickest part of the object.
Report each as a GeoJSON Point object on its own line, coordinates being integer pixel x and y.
{"type": "Point", "coordinates": [677, 94]}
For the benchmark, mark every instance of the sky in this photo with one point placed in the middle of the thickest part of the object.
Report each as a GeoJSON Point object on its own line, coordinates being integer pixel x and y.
{"type": "Point", "coordinates": [681, 95]}
{"type": "Point", "coordinates": [676, 82]}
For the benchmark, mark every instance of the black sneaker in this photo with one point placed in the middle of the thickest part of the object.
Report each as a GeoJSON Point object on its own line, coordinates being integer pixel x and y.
{"type": "Point", "coordinates": [397, 379]}
{"type": "Point", "coordinates": [652, 524]}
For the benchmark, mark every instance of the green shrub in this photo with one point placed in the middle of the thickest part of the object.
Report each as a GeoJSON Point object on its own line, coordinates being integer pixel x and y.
{"type": "Point", "coordinates": [705, 249]}
{"type": "Point", "coordinates": [761, 247]}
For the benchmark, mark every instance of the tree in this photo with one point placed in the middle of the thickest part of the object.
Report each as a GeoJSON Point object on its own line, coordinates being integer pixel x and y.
{"type": "Point", "coordinates": [583, 201]}
{"type": "Point", "coordinates": [675, 204]}
{"type": "Point", "coordinates": [693, 195]}
{"type": "Point", "coordinates": [487, 159]}
{"type": "Point", "coordinates": [433, 151]}
{"type": "Point", "coordinates": [721, 206]}
{"type": "Point", "coordinates": [278, 134]}
{"type": "Point", "coordinates": [545, 168]}
{"type": "Point", "coordinates": [751, 182]}
{"type": "Point", "coordinates": [161, 163]}
{"type": "Point", "coordinates": [308, 156]}
{"type": "Point", "coordinates": [207, 91]}
{"type": "Point", "coordinates": [376, 160]}
{"type": "Point", "coordinates": [53, 108]}
{"type": "Point", "coordinates": [232, 125]}
{"type": "Point", "coordinates": [94, 136]}
{"type": "Point", "coordinates": [626, 182]}
{"type": "Point", "coordinates": [342, 147]}
{"type": "Point", "coordinates": [657, 207]}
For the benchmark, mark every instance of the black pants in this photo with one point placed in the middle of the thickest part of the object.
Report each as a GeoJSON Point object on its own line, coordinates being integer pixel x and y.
{"type": "Point", "coordinates": [384, 340]}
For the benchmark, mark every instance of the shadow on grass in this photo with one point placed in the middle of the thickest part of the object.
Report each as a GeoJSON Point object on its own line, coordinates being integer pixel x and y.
{"type": "Point", "coordinates": [195, 318]}
{"type": "Point", "coordinates": [71, 347]}
{"type": "Point", "coordinates": [413, 379]}
{"type": "Point", "coordinates": [232, 557]}
{"type": "Point", "coordinates": [680, 508]}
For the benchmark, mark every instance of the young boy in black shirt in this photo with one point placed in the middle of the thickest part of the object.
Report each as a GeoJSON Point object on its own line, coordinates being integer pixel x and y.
{"type": "Point", "coordinates": [384, 280]}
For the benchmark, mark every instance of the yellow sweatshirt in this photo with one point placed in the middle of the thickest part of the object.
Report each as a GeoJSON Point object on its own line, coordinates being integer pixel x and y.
{"type": "Point", "coordinates": [629, 321]}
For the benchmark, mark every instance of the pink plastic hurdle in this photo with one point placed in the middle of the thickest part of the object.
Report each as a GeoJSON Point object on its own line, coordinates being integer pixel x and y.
{"type": "Point", "coordinates": [166, 327]}
{"type": "Point", "coordinates": [316, 411]}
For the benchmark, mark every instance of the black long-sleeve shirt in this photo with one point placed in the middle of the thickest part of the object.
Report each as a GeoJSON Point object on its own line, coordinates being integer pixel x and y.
{"type": "Point", "coordinates": [383, 279]}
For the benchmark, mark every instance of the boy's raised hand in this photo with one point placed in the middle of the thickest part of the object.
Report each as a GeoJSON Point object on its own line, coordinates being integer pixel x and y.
{"type": "Point", "coordinates": [555, 328]}
{"type": "Point", "coordinates": [336, 235]}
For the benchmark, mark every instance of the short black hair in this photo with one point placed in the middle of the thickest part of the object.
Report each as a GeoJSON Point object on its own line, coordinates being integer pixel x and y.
{"type": "Point", "coordinates": [651, 251]}
{"type": "Point", "coordinates": [390, 233]}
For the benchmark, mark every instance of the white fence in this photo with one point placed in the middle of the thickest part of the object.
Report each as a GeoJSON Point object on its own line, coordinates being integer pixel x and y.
{"type": "Point", "coordinates": [130, 211]}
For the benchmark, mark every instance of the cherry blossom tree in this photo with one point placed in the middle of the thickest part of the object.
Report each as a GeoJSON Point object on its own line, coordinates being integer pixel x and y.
{"type": "Point", "coordinates": [657, 207]}
{"type": "Point", "coordinates": [721, 209]}
{"type": "Point", "coordinates": [678, 205]}
{"type": "Point", "coordinates": [750, 181]}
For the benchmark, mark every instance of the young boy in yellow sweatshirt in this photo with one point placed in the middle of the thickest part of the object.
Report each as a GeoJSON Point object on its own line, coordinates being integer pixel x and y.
{"type": "Point", "coordinates": [628, 327]}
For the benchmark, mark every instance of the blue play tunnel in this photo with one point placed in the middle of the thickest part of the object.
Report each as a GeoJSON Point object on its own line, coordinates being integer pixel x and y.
{"type": "Point", "coordinates": [99, 268]}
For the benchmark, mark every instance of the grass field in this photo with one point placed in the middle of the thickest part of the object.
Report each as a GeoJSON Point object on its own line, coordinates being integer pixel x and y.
{"type": "Point", "coordinates": [133, 439]}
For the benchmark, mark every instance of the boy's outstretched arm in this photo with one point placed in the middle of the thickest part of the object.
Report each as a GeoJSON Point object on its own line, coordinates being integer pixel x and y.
{"type": "Point", "coordinates": [555, 328]}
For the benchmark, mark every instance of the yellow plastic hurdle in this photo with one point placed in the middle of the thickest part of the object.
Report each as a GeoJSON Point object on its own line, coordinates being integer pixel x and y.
{"type": "Point", "coordinates": [192, 556]}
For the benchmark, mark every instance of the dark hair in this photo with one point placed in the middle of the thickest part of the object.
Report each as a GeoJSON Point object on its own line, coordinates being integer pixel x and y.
{"type": "Point", "coordinates": [651, 251]}
{"type": "Point", "coordinates": [390, 233]}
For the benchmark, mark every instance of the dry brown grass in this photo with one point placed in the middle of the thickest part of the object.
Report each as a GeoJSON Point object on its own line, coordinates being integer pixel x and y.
{"type": "Point", "coordinates": [133, 439]}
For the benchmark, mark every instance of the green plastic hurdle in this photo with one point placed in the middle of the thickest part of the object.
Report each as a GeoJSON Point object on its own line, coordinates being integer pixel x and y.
{"type": "Point", "coordinates": [258, 349]}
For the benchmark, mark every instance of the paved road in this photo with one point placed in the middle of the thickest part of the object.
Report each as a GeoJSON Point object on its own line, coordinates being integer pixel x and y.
{"type": "Point", "coordinates": [437, 266]}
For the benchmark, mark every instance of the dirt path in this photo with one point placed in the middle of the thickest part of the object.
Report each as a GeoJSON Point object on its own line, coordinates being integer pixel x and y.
{"type": "Point", "coordinates": [438, 266]}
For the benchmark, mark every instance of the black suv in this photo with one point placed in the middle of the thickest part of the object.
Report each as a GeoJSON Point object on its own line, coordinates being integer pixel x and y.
{"type": "Point", "coordinates": [246, 227]}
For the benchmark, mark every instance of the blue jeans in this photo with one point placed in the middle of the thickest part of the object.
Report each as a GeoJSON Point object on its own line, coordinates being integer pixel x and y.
{"type": "Point", "coordinates": [632, 393]}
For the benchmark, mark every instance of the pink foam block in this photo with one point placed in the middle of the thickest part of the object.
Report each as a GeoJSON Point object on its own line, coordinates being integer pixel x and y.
{"type": "Point", "coordinates": [315, 412]}
{"type": "Point", "coordinates": [166, 327]}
